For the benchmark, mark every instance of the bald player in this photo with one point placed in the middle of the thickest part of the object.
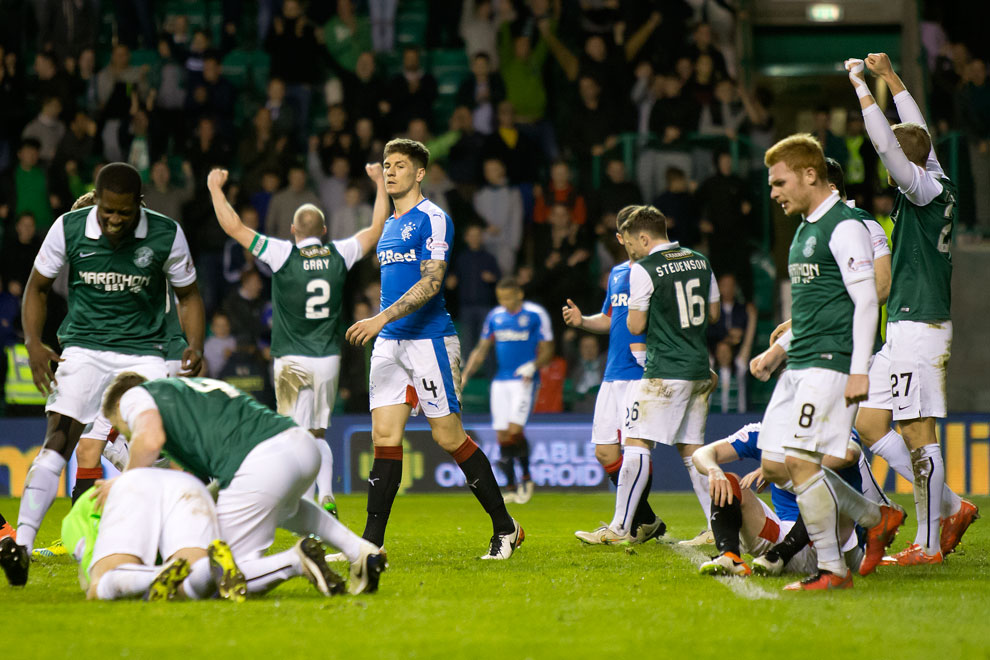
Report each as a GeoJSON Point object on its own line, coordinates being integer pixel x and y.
{"type": "Point", "coordinates": [307, 300]}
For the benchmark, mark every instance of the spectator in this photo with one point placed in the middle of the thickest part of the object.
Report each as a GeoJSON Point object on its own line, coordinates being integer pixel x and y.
{"type": "Point", "coordinates": [296, 53]}
{"type": "Point", "coordinates": [473, 275]}
{"type": "Point", "coordinates": [244, 307]}
{"type": "Point", "coordinates": [26, 188]}
{"type": "Point", "coordinates": [587, 368]}
{"type": "Point", "coordinates": [261, 150]}
{"type": "Point", "coordinates": [10, 330]}
{"type": "Point", "coordinates": [353, 216]}
{"type": "Point", "coordinates": [441, 191]}
{"type": "Point", "coordinates": [595, 125]}
{"type": "Point", "coordinates": [135, 142]}
{"type": "Point", "coordinates": [247, 370]}
{"type": "Point", "coordinates": [219, 345]}
{"type": "Point", "coordinates": [950, 69]}
{"type": "Point", "coordinates": [382, 24]}
{"type": "Point", "coordinates": [411, 92]}
{"type": "Point", "coordinates": [973, 110]}
{"type": "Point", "coordinates": [47, 129]}
{"type": "Point", "coordinates": [617, 191]}
{"type": "Point", "coordinates": [329, 188]}
{"type": "Point", "coordinates": [66, 28]}
{"type": "Point", "coordinates": [560, 190]}
{"type": "Point", "coordinates": [11, 105]}
{"type": "Point", "coordinates": [353, 389]}
{"type": "Point", "coordinates": [261, 200]}
{"type": "Point", "coordinates": [861, 167]}
{"type": "Point", "coordinates": [167, 119]}
{"type": "Point", "coordinates": [725, 115]}
{"type": "Point", "coordinates": [479, 29]}
{"type": "Point", "coordinates": [206, 151]}
{"type": "Point", "coordinates": [135, 18]}
{"type": "Point", "coordinates": [114, 87]}
{"type": "Point", "coordinates": [672, 118]}
{"type": "Point", "coordinates": [724, 209]}
{"type": "Point", "coordinates": [482, 93]}
{"type": "Point", "coordinates": [442, 23]}
{"type": "Point", "coordinates": [759, 122]}
{"type": "Point", "coordinates": [367, 148]}
{"type": "Point", "coordinates": [284, 203]}
{"type": "Point", "coordinates": [501, 207]}
{"type": "Point", "coordinates": [195, 54]}
{"type": "Point", "coordinates": [509, 145]}
{"type": "Point", "coordinates": [702, 44]}
{"type": "Point", "coordinates": [347, 35]}
{"type": "Point", "coordinates": [165, 198]}
{"type": "Point", "coordinates": [78, 144]}
{"type": "Point", "coordinates": [365, 92]}
{"type": "Point", "coordinates": [730, 341]}
{"type": "Point", "coordinates": [464, 157]}
{"type": "Point", "coordinates": [20, 247]}
{"type": "Point", "coordinates": [678, 206]}
{"type": "Point", "coordinates": [562, 266]}
{"type": "Point", "coordinates": [237, 260]}
{"type": "Point", "coordinates": [834, 146]}
{"type": "Point", "coordinates": [702, 84]}
{"type": "Point", "coordinates": [212, 95]}
{"type": "Point", "coordinates": [284, 120]}
{"type": "Point", "coordinates": [50, 80]}
{"type": "Point", "coordinates": [521, 65]}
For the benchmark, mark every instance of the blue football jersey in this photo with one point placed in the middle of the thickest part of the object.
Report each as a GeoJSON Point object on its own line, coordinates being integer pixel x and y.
{"type": "Point", "coordinates": [516, 337]}
{"type": "Point", "coordinates": [744, 442]}
{"type": "Point", "coordinates": [621, 365]}
{"type": "Point", "coordinates": [424, 232]}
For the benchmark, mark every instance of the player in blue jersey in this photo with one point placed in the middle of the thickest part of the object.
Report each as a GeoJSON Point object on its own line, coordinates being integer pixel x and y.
{"type": "Point", "coordinates": [624, 365]}
{"type": "Point", "coordinates": [417, 358]}
{"type": "Point", "coordinates": [523, 340]}
{"type": "Point", "coordinates": [743, 523]}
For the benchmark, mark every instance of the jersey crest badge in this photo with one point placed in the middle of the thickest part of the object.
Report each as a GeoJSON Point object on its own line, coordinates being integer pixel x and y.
{"type": "Point", "coordinates": [524, 321]}
{"type": "Point", "coordinates": [809, 246]}
{"type": "Point", "coordinates": [407, 230]}
{"type": "Point", "coordinates": [143, 256]}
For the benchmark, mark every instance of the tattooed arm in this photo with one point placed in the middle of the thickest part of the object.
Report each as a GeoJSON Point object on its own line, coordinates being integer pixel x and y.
{"type": "Point", "coordinates": [431, 273]}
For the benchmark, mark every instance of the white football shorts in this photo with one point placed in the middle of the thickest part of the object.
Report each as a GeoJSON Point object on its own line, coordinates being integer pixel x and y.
{"type": "Point", "coordinates": [306, 388]}
{"type": "Point", "coordinates": [512, 402]}
{"type": "Point", "coordinates": [919, 359]}
{"type": "Point", "coordinates": [668, 411]}
{"type": "Point", "coordinates": [610, 412]}
{"type": "Point", "coordinates": [427, 371]}
{"type": "Point", "coordinates": [808, 411]}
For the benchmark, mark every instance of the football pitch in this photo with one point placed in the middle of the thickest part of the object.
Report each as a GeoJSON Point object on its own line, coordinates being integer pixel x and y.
{"type": "Point", "coordinates": [554, 599]}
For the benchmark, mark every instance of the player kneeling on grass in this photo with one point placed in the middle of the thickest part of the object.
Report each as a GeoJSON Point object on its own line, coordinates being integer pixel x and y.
{"type": "Point", "coordinates": [264, 464]}
{"type": "Point", "coordinates": [148, 513]}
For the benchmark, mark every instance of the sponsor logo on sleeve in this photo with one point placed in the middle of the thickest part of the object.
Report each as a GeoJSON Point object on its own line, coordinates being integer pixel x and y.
{"type": "Point", "coordinates": [433, 245]}
{"type": "Point", "coordinates": [859, 265]}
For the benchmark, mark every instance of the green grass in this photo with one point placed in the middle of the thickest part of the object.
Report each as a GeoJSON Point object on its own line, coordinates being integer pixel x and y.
{"type": "Point", "coordinates": [555, 598]}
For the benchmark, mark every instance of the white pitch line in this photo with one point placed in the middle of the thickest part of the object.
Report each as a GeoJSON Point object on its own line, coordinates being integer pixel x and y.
{"type": "Point", "coordinates": [743, 587]}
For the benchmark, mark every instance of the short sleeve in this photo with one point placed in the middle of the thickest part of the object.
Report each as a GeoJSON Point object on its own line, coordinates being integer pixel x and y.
{"type": "Point", "coordinates": [350, 249]}
{"type": "Point", "coordinates": [640, 288]}
{"type": "Point", "coordinates": [878, 239]}
{"type": "Point", "coordinates": [713, 293]}
{"type": "Point", "coordinates": [436, 237]}
{"type": "Point", "coordinates": [179, 265]}
{"type": "Point", "coordinates": [486, 329]}
{"type": "Point", "coordinates": [546, 329]}
{"type": "Point", "coordinates": [852, 250]}
{"type": "Point", "coordinates": [607, 304]}
{"type": "Point", "coordinates": [51, 257]}
{"type": "Point", "coordinates": [273, 252]}
{"type": "Point", "coordinates": [135, 401]}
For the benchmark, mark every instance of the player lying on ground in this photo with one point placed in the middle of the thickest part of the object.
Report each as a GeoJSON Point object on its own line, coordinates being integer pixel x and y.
{"type": "Point", "coordinates": [308, 279]}
{"type": "Point", "coordinates": [743, 523]}
{"type": "Point", "coordinates": [151, 513]}
{"type": "Point", "coordinates": [623, 368]}
{"type": "Point", "coordinates": [911, 369]}
{"type": "Point", "coordinates": [121, 259]}
{"type": "Point", "coordinates": [417, 358]}
{"type": "Point", "coordinates": [264, 464]}
{"type": "Point", "coordinates": [523, 338]}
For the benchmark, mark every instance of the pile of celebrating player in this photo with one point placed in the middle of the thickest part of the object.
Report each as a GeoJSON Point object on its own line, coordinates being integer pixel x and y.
{"type": "Point", "coordinates": [134, 304]}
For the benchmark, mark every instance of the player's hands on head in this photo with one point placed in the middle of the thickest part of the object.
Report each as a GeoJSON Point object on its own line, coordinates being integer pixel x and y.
{"type": "Point", "coordinates": [375, 172]}
{"type": "Point", "coordinates": [192, 362]}
{"type": "Point", "coordinates": [719, 487]}
{"type": "Point", "coordinates": [40, 358]}
{"type": "Point", "coordinates": [857, 388]}
{"type": "Point", "coordinates": [216, 179]}
{"type": "Point", "coordinates": [878, 64]}
{"type": "Point", "coordinates": [572, 315]}
{"type": "Point", "coordinates": [364, 331]}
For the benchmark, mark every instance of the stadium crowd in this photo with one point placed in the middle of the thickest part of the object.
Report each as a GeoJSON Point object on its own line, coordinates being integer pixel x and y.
{"type": "Point", "coordinates": [543, 119]}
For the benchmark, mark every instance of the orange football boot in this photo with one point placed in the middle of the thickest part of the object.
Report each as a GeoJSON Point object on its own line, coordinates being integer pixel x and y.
{"type": "Point", "coordinates": [880, 536]}
{"type": "Point", "coordinates": [956, 525]}
{"type": "Point", "coordinates": [913, 555]}
{"type": "Point", "coordinates": [822, 581]}
{"type": "Point", "coordinates": [6, 531]}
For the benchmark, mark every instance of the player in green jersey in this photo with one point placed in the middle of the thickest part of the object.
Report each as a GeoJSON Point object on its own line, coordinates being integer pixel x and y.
{"type": "Point", "coordinates": [263, 463]}
{"type": "Point", "coordinates": [919, 329]}
{"type": "Point", "coordinates": [151, 513]}
{"type": "Point", "coordinates": [672, 296]}
{"type": "Point", "coordinates": [119, 258]}
{"type": "Point", "coordinates": [307, 299]}
{"type": "Point", "coordinates": [834, 318]}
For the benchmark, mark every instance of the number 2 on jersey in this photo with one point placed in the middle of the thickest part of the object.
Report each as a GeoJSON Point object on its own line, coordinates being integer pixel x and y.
{"type": "Point", "coordinates": [207, 385]}
{"type": "Point", "coordinates": [316, 305]}
{"type": "Point", "coordinates": [690, 305]}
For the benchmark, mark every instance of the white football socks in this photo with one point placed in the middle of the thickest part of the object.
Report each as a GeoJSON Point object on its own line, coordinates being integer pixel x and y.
{"type": "Point", "coordinates": [199, 584]}
{"type": "Point", "coordinates": [633, 474]}
{"type": "Point", "coordinates": [851, 502]}
{"type": "Point", "coordinates": [324, 478]}
{"type": "Point", "coordinates": [40, 488]}
{"type": "Point", "coordinates": [871, 489]}
{"type": "Point", "coordinates": [929, 480]}
{"type": "Point", "coordinates": [310, 518]}
{"type": "Point", "coordinates": [892, 449]}
{"type": "Point", "coordinates": [819, 510]}
{"type": "Point", "coordinates": [700, 484]}
{"type": "Point", "coordinates": [266, 573]}
{"type": "Point", "coordinates": [724, 378]}
{"type": "Point", "coordinates": [127, 581]}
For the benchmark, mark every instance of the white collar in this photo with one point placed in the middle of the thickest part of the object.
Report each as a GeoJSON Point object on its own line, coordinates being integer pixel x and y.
{"type": "Point", "coordinates": [310, 240]}
{"type": "Point", "coordinates": [94, 231]}
{"type": "Point", "coordinates": [665, 246]}
{"type": "Point", "coordinates": [823, 208]}
{"type": "Point", "coordinates": [851, 203]}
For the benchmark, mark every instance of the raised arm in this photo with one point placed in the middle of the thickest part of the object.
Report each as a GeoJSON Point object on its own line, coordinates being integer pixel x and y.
{"type": "Point", "coordinates": [567, 60]}
{"type": "Point", "coordinates": [230, 222]}
{"type": "Point", "coordinates": [368, 237]}
{"type": "Point", "coordinates": [641, 36]}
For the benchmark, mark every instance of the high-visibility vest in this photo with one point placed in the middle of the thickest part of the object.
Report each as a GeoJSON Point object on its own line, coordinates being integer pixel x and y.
{"type": "Point", "coordinates": [20, 384]}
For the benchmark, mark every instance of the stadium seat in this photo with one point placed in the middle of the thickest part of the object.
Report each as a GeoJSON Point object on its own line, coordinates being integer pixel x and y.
{"type": "Point", "coordinates": [144, 56]}
{"type": "Point", "coordinates": [410, 23]}
{"type": "Point", "coordinates": [237, 67]}
{"type": "Point", "coordinates": [449, 67]}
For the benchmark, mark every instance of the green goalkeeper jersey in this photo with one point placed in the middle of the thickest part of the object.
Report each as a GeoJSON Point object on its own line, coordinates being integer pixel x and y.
{"type": "Point", "coordinates": [921, 268]}
{"type": "Point", "coordinates": [210, 426]}
{"type": "Point", "coordinates": [79, 530]}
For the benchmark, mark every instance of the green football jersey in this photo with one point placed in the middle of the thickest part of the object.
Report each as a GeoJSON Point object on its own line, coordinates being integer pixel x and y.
{"type": "Point", "coordinates": [677, 321]}
{"type": "Point", "coordinates": [821, 309]}
{"type": "Point", "coordinates": [307, 294]}
{"type": "Point", "coordinates": [176, 343]}
{"type": "Point", "coordinates": [117, 295]}
{"type": "Point", "coordinates": [921, 269]}
{"type": "Point", "coordinates": [210, 425]}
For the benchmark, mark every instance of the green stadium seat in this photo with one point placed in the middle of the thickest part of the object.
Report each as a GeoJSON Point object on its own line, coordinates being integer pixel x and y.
{"type": "Point", "coordinates": [449, 67]}
{"type": "Point", "coordinates": [410, 23]}
{"type": "Point", "coordinates": [260, 66]}
{"type": "Point", "coordinates": [142, 56]}
{"type": "Point", "coordinates": [474, 397]}
{"type": "Point", "coordinates": [237, 67]}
